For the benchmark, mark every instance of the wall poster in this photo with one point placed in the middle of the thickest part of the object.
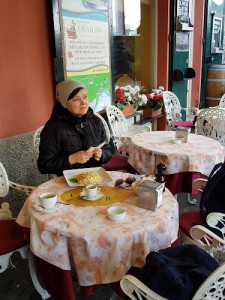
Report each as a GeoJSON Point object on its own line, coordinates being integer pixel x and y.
{"type": "Point", "coordinates": [86, 48]}
{"type": "Point", "coordinates": [216, 39]}
{"type": "Point", "coordinates": [182, 42]}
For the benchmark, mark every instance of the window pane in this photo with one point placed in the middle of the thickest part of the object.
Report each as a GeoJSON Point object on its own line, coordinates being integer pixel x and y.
{"type": "Point", "coordinates": [133, 49]}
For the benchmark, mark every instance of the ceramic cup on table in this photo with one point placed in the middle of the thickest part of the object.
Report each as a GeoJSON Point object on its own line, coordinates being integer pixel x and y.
{"type": "Point", "coordinates": [91, 190]}
{"type": "Point", "coordinates": [116, 213]}
{"type": "Point", "coordinates": [176, 140]}
{"type": "Point", "coordinates": [48, 200]}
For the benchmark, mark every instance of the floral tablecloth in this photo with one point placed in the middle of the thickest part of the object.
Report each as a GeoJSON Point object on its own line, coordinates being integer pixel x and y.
{"type": "Point", "coordinates": [101, 250]}
{"type": "Point", "coordinates": [199, 154]}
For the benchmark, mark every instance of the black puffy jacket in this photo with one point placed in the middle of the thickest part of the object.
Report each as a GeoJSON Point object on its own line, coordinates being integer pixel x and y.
{"type": "Point", "coordinates": [65, 134]}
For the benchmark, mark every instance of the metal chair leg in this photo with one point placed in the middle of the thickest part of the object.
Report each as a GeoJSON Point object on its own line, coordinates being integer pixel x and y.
{"type": "Point", "coordinates": [43, 293]}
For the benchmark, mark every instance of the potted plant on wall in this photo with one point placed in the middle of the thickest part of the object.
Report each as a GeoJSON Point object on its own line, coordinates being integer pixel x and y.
{"type": "Point", "coordinates": [129, 98]}
{"type": "Point", "coordinates": [154, 104]}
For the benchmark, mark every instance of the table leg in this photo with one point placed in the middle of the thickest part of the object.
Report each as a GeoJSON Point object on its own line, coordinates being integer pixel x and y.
{"type": "Point", "coordinates": [182, 182]}
{"type": "Point", "coordinates": [58, 282]}
{"type": "Point", "coordinates": [154, 125]}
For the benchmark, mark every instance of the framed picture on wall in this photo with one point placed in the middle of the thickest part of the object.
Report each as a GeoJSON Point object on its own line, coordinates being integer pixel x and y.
{"type": "Point", "coordinates": [216, 38]}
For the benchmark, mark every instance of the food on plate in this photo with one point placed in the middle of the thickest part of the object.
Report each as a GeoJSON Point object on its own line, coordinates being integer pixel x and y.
{"type": "Point", "coordinates": [86, 178]}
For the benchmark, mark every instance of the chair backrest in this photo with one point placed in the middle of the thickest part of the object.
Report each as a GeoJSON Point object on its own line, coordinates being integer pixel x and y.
{"type": "Point", "coordinates": [211, 123]}
{"type": "Point", "coordinates": [212, 288]}
{"type": "Point", "coordinates": [172, 107]}
{"type": "Point", "coordinates": [222, 102]}
{"type": "Point", "coordinates": [105, 126]}
{"type": "Point", "coordinates": [36, 143]}
{"type": "Point", "coordinates": [117, 121]}
{"type": "Point", "coordinates": [5, 184]}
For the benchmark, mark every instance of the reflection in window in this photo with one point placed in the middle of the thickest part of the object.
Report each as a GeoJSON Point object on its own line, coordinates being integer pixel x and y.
{"type": "Point", "coordinates": [132, 12]}
{"type": "Point", "coordinates": [133, 49]}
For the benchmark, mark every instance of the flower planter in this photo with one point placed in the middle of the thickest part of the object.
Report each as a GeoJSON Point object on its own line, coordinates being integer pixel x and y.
{"type": "Point", "coordinates": [150, 113]}
{"type": "Point", "coordinates": [128, 110]}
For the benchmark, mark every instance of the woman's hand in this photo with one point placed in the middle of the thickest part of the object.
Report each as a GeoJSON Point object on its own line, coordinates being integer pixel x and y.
{"type": "Point", "coordinates": [97, 153]}
{"type": "Point", "coordinates": [81, 157]}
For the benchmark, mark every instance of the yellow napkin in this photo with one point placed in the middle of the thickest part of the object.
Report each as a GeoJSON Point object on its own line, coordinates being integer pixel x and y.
{"type": "Point", "coordinates": [110, 195]}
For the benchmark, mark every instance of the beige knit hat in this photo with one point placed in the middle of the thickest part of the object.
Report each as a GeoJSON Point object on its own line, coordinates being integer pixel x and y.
{"type": "Point", "coordinates": [65, 88]}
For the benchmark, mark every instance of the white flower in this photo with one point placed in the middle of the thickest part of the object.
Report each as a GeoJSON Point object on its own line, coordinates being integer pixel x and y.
{"type": "Point", "coordinates": [133, 95]}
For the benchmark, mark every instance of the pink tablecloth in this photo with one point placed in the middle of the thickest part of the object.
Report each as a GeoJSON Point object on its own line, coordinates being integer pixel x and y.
{"type": "Point", "coordinates": [101, 250]}
{"type": "Point", "coordinates": [199, 154]}
{"type": "Point", "coordinates": [184, 162]}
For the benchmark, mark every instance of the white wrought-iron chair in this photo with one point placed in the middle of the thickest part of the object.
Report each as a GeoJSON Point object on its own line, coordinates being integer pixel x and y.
{"type": "Point", "coordinates": [173, 112]}
{"type": "Point", "coordinates": [36, 143]}
{"type": "Point", "coordinates": [221, 103]}
{"type": "Point", "coordinates": [121, 132]}
{"type": "Point", "coordinates": [212, 288]}
{"type": "Point", "coordinates": [117, 162]}
{"type": "Point", "coordinates": [14, 238]}
{"type": "Point", "coordinates": [198, 234]}
{"type": "Point", "coordinates": [210, 122]}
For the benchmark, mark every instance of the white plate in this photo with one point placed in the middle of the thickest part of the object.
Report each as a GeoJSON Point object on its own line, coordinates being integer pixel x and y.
{"type": "Point", "coordinates": [98, 196]}
{"type": "Point", "coordinates": [38, 207]}
{"type": "Point", "coordinates": [68, 174]}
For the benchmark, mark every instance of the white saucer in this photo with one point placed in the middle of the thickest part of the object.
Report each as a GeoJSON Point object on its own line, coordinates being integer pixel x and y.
{"type": "Point", "coordinates": [38, 207]}
{"type": "Point", "coordinates": [96, 197]}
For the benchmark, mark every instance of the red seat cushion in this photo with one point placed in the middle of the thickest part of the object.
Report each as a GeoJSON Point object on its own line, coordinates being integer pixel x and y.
{"type": "Point", "coordinates": [182, 123]}
{"type": "Point", "coordinates": [12, 236]}
{"type": "Point", "coordinates": [117, 162]}
{"type": "Point", "coordinates": [188, 219]}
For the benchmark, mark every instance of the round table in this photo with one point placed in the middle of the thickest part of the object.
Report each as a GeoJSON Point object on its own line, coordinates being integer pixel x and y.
{"type": "Point", "coordinates": [101, 250]}
{"type": "Point", "coordinates": [184, 162]}
{"type": "Point", "coordinates": [199, 154]}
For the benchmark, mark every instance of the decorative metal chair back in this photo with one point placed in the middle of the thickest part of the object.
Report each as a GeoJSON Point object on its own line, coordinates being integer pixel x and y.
{"type": "Point", "coordinates": [5, 184]}
{"type": "Point", "coordinates": [211, 123]}
{"type": "Point", "coordinates": [172, 107]}
{"type": "Point", "coordinates": [222, 102]}
{"type": "Point", "coordinates": [212, 288]}
{"type": "Point", "coordinates": [201, 236]}
{"type": "Point", "coordinates": [118, 127]}
{"type": "Point", "coordinates": [121, 132]}
{"type": "Point", "coordinates": [117, 121]}
{"type": "Point", "coordinates": [173, 112]}
{"type": "Point", "coordinates": [36, 143]}
{"type": "Point", "coordinates": [105, 126]}
{"type": "Point", "coordinates": [208, 240]}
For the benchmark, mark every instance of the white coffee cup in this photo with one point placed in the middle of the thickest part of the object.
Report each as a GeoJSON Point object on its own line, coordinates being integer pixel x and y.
{"type": "Point", "coordinates": [48, 200]}
{"type": "Point", "coordinates": [116, 213]}
{"type": "Point", "coordinates": [91, 190]}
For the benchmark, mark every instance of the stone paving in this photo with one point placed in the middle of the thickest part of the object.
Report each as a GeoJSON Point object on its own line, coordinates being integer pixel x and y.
{"type": "Point", "coordinates": [16, 284]}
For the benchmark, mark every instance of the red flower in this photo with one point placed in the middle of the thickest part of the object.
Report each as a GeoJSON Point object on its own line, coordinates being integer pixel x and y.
{"type": "Point", "coordinates": [148, 96]}
{"type": "Point", "coordinates": [119, 95]}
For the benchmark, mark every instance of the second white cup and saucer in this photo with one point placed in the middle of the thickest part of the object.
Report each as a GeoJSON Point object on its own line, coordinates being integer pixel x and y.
{"type": "Point", "coordinates": [48, 203]}
{"type": "Point", "coordinates": [91, 192]}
